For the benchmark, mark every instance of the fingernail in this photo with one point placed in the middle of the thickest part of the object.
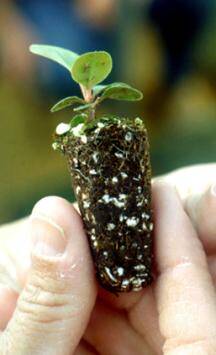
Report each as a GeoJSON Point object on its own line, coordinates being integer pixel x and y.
{"type": "Point", "coordinates": [213, 190]}
{"type": "Point", "coordinates": [48, 237]}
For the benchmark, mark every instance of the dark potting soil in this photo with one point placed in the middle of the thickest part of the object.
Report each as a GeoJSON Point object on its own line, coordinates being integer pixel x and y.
{"type": "Point", "coordinates": [111, 178]}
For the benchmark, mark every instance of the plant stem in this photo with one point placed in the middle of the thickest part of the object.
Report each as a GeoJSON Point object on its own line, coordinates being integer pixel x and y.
{"type": "Point", "coordinates": [91, 115]}
{"type": "Point", "coordinates": [87, 94]}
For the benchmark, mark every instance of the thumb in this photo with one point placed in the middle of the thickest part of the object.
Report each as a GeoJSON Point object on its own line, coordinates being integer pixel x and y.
{"type": "Point", "coordinates": [54, 307]}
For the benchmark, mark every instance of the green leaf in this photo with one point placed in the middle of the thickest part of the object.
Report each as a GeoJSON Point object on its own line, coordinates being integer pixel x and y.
{"type": "Point", "coordinates": [121, 91]}
{"type": "Point", "coordinates": [82, 107]}
{"type": "Point", "coordinates": [80, 118]}
{"type": "Point", "coordinates": [60, 55]}
{"type": "Point", "coordinates": [91, 68]}
{"type": "Point", "coordinates": [66, 102]}
{"type": "Point", "coordinates": [98, 89]}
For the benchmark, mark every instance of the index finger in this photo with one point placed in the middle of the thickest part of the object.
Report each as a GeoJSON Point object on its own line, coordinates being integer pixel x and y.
{"type": "Point", "coordinates": [185, 293]}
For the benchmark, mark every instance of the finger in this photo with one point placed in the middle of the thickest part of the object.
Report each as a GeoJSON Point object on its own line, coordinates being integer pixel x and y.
{"type": "Point", "coordinates": [195, 185]}
{"type": "Point", "coordinates": [141, 312]}
{"type": "Point", "coordinates": [15, 253]}
{"type": "Point", "coordinates": [144, 319]}
{"type": "Point", "coordinates": [192, 179]}
{"type": "Point", "coordinates": [54, 307]}
{"type": "Point", "coordinates": [8, 300]}
{"type": "Point", "coordinates": [109, 332]}
{"type": "Point", "coordinates": [185, 294]}
{"type": "Point", "coordinates": [212, 267]}
{"type": "Point", "coordinates": [201, 208]}
{"type": "Point", "coordinates": [84, 349]}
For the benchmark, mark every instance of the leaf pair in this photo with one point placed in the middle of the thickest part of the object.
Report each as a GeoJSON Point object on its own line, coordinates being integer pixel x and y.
{"type": "Point", "coordinates": [115, 91]}
{"type": "Point", "coordinates": [87, 70]}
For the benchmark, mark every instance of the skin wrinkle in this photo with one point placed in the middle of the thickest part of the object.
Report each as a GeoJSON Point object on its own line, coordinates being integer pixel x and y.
{"type": "Point", "coordinates": [34, 294]}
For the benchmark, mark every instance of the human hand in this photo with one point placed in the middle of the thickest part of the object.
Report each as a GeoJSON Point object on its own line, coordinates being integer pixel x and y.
{"type": "Point", "coordinates": [177, 313]}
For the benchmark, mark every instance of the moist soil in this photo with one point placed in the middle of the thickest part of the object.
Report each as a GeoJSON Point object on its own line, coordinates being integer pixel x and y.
{"type": "Point", "coordinates": [110, 169]}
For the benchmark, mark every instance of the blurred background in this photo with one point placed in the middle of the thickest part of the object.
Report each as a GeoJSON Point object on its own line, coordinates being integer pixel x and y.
{"type": "Point", "coordinates": [166, 48]}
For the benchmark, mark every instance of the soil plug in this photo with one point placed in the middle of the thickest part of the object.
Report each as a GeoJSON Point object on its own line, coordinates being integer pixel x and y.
{"type": "Point", "coordinates": [109, 164]}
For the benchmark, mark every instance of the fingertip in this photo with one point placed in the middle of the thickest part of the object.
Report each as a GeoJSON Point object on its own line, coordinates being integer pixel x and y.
{"type": "Point", "coordinates": [205, 219]}
{"type": "Point", "coordinates": [201, 208]}
{"type": "Point", "coordinates": [59, 238]}
{"type": "Point", "coordinates": [163, 192]}
{"type": "Point", "coordinates": [55, 206]}
{"type": "Point", "coordinates": [175, 238]}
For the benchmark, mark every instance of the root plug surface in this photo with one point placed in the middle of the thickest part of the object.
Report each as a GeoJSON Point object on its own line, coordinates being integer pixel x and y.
{"type": "Point", "coordinates": [111, 177]}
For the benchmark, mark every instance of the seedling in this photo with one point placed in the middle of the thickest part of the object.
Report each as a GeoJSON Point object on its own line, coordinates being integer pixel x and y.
{"type": "Point", "coordinates": [108, 159]}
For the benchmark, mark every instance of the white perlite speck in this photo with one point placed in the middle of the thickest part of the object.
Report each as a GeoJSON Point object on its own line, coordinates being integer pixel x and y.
{"type": "Point", "coordinates": [145, 215]}
{"type": "Point", "coordinates": [78, 188]}
{"type": "Point", "coordinates": [132, 222]}
{"type": "Point", "coordinates": [125, 282]}
{"type": "Point", "coordinates": [136, 178]}
{"type": "Point", "coordinates": [110, 275]}
{"type": "Point", "coordinates": [114, 179]}
{"type": "Point", "coordinates": [110, 226]}
{"type": "Point", "coordinates": [137, 284]}
{"type": "Point", "coordinates": [118, 203]}
{"type": "Point", "coordinates": [128, 136]}
{"type": "Point", "coordinates": [95, 157]}
{"type": "Point", "coordinates": [86, 204]}
{"type": "Point", "coordinates": [76, 130]}
{"type": "Point", "coordinates": [124, 175]}
{"type": "Point", "coordinates": [119, 155]}
{"type": "Point", "coordinates": [83, 138]}
{"type": "Point", "coordinates": [100, 124]}
{"type": "Point", "coordinates": [139, 267]}
{"type": "Point", "coordinates": [62, 128]}
{"type": "Point", "coordinates": [144, 226]}
{"type": "Point", "coordinates": [122, 196]}
{"type": "Point", "coordinates": [107, 199]}
{"type": "Point", "coordinates": [55, 146]}
{"type": "Point", "coordinates": [120, 271]}
{"type": "Point", "coordinates": [122, 217]}
{"type": "Point", "coordinates": [92, 172]}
